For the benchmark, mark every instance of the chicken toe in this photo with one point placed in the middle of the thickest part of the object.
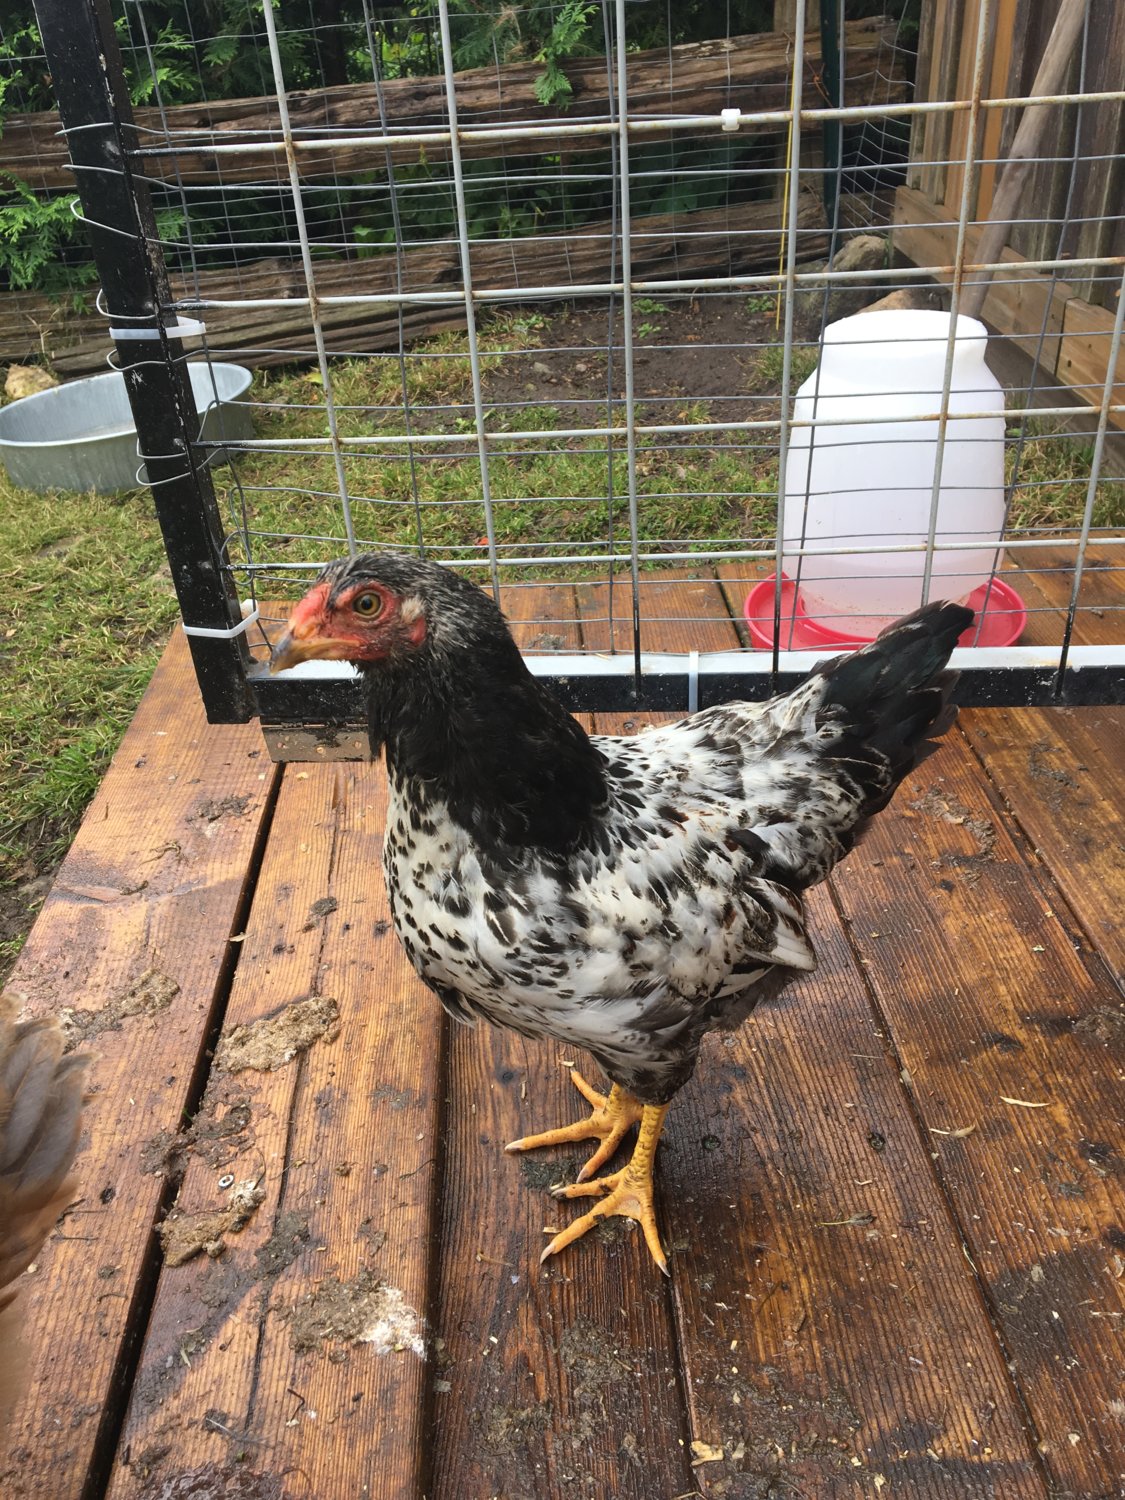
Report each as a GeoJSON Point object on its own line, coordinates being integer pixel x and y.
{"type": "Point", "coordinates": [627, 1192]}
{"type": "Point", "coordinates": [609, 1121]}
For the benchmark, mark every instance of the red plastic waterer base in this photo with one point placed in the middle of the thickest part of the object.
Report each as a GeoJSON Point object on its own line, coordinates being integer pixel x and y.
{"type": "Point", "coordinates": [1002, 622]}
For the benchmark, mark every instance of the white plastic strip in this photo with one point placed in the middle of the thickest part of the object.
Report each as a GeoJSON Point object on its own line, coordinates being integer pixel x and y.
{"type": "Point", "coordinates": [207, 633]}
{"type": "Point", "coordinates": [182, 328]}
{"type": "Point", "coordinates": [692, 681]}
{"type": "Point", "coordinates": [759, 663]}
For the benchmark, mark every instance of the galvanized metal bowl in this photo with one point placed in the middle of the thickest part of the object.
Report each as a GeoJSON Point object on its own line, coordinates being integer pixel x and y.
{"type": "Point", "coordinates": [80, 436]}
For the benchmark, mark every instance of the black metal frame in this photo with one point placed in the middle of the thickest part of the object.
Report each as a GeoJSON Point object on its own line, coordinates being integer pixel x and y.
{"type": "Point", "coordinates": [339, 701]}
{"type": "Point", "coordinates": [85, 63]}
{"type": "Point", "coordinates": [81, 49]}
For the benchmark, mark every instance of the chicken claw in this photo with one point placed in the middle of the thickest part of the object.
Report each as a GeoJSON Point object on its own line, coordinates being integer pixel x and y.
{"type": "Point", "coordinates": [609, 1121]}
{"type": "Point", "coordinates": [627, 1192]}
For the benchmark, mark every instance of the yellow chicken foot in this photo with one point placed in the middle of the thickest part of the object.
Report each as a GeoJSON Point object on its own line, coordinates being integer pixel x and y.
{"type": "Point", "coordinates": [609, 1122]}
{"type": "Point", "coordinates": [627, 1192]}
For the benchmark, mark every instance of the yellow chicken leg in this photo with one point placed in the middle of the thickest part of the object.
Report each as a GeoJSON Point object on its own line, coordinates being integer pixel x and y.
{"type": "Point", "coordinates": [609, 1121]}
{"type": "Point", "coordinates": [627, 1192]}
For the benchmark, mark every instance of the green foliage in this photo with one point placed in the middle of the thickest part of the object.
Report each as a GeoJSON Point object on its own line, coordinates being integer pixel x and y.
{"type": "Point", "coordinates": [166, 71]}
{"type": "Point", "coordinates": [553, 87]}
{"type": "Point", "coordinates": [33, 231]}
{"type": "Point", "coordinates": [179, 51]}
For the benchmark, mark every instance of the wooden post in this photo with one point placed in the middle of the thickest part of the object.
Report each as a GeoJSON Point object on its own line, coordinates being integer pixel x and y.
{"type": "Point", "coordinates": [78, 40]}
{"type": "Point", "coordinates": [1052, 70]}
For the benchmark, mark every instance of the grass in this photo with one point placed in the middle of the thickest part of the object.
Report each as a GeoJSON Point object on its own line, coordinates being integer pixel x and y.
{"type": "Point", "coordinates": [550, 491]}
{"type": "Point", "coordinates": [87, 601]}
{"type": "Point", "coordinates": [85, 607]}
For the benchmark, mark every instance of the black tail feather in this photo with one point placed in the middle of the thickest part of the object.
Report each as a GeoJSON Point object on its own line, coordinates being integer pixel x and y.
{"type": "Point", "coordinates": [895, 695]}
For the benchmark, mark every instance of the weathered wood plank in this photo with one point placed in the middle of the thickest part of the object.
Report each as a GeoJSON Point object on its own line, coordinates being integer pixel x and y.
{"type": "Point", "coordinates": [557, 1382]}
{"type": "Point", "coordinates": [805, 1221]}
{"type": "Point", "coordinates": [678, 612]}
{"type": "Point", "coordinates": [133, 941]}
{"type": "Point", "coordinates": [1084, 355]}
{"type": "Point", "coordinates": [945, 53]}
{"type": "Point", "coordinates": [832, 1331]}
{"type": "Point", "coordinates": [1048, 582]}
{"type": "Point", "coordinates": [301, 1350]}
{"type": "Point", "coordinates": [1061, 773]}
{"type": "Point", "coordinates": [996, 87]}
{"type": "Point", "coordinates": [987, 1001]}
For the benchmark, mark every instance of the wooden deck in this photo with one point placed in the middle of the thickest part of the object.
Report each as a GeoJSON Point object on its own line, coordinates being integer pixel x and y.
{"type": "Point", "coordinates": [895, 1201]}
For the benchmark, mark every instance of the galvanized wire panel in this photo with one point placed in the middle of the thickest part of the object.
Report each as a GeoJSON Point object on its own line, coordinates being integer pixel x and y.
{"type": "Point", "coordinates": [532, 289]}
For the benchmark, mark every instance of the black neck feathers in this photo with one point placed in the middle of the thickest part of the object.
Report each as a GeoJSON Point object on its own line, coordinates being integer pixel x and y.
{"type": "Point", "coordinates": [471, 723]}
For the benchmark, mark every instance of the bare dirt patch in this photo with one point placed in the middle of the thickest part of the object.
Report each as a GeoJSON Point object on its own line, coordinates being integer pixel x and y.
{"type": "Point", "coordinates": [686, 351]}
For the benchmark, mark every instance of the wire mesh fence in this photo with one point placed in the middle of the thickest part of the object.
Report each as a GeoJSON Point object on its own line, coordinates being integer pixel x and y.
{"type": "Point", "coordinates": [543, 292]}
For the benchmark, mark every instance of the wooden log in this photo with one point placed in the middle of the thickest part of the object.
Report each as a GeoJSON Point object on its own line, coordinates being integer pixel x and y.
{"type": "Point", "coordinates": [134, 938]}
{"type": "Point", "coordinates": [738, 240]}
{"type": "Point", "coordinates": [751, 72]}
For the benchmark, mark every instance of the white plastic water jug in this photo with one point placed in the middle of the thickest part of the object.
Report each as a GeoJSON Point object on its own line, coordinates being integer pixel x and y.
{"type": "Point", "coordinates": [870, 484]}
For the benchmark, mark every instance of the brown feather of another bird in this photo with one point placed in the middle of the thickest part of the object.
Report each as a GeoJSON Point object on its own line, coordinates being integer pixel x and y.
{"type": "Point", "coordinates": [40, 1120]}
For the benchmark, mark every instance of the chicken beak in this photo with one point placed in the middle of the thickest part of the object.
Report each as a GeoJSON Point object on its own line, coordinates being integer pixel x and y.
{"type": "Point", "coordinates": [304, 637]}
{"type": "Point", "coordinates": [290, 651]}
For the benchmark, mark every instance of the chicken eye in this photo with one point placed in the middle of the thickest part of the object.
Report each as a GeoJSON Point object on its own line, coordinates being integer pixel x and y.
{"type": "Point", "coordinates": [367, 604]}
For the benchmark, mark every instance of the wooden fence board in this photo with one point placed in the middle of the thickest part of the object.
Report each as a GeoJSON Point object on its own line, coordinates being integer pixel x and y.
{"type": "Point", "coordinates": [1017, 307]}
{"type": "Point", "coordinates": [305, 1348]}
{"type": "Point", "coordinates": [133, 940]}
{"type": "Point", "coordinates": [1084, 355]}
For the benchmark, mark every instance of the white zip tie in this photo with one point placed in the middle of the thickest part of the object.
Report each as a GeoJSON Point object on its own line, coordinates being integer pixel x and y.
{"type": "Point", "coordinates": [223, 635]}
{"type": "Point", "coordinates": [182, 328]}
{"type": "Point", "coordinates": [693, 682]}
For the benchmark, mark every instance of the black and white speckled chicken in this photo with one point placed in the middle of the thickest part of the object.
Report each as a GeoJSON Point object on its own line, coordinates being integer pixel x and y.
{"type": "Point", "coordinates": [625, 895]}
